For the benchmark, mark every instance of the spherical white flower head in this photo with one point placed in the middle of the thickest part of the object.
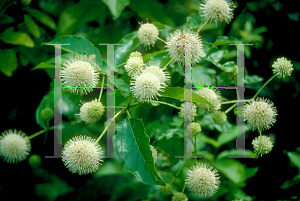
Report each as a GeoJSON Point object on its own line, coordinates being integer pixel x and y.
{"type": "Point", "coordinates": [212, 96]}
{"type": "Point", "coordinates": [154, 153]}
{"type": "Point", "coordinates": [194, 128]}
{"type": "Point", "coordinates": [262, 145]}
{"type": "Point", "coordinates": [179, 197]}
{"type": "Point", "coordinates": [282, 67]}
{"type": "Point", "coordinates": [176, 46]}
{"type": "Point", "coordinates": [82, 155]}
{"type": "Point", "coordinates": [92, 111]}
{"type": "Point", "coordinates": [148, 34]}
{"type": "Point", "coordinates": [162, 75]}
{"type": "Point", "coordinates": [188, 111]}
{"type": "Point", "coordinates": [217, 10]}
{"type": "Point", "coordinates": [14, 146]}
{"type": "Point", "coordinates": [79, 75]}
{"type": "Point", "coordinates": [202, 180]}
{"type": "Point", "coordinates": [135, 54]}
{"type": "Point", "coordinates": [134, 66]}
{"type": "Point", "coordinates": [219, 117]}
{"type": "Point", "coordinates": [260, 114]}
{"type": "Point", "coordinates": [146, 86]}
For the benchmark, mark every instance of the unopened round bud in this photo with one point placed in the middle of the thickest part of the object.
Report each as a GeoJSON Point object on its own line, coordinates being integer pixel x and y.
{"type": "Point", "coordinates": [47, 114]}
{"type": "Point", "coordinates": [34, 160]}
{"type": "Point", "coordinates": [194, 128]}
{"type": "Point", "coordinates": [219, 117]}
{"type": "Point", "coordinates": [166, 190]}
{"type": "Point", "coordinates": [179, 197]}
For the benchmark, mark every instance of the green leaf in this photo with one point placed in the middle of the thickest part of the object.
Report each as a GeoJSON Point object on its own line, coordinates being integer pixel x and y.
{"type": "Point", "coordinates": [43, 65]}
{"type": "Point", "coordinates": [122, 86]}
{"type": "Point", "coordinates": [46, 102]}
{"type": "Point", "coordinates": [79, 46]}
{"type": "Point", "coordinates": [127, 45]}
{"type": "Point", "coordinates": [202, 76]}
{"type": "Point", "coordinates": [6, 19]}
{"type": "Point", "coordinates": [227, 137]}
{"type": "Point", "coordinates": [171, 144]}
{"type": "Point", "coordinates": [116, 7]}
{"type": "Point", "coordinates": [32, 26]}
{"type": "Point", "coordinates": [294, 158]}
{"type": "Point", "coordinates": [131, 191]}
{"type": "Point", "coordinates": [215, 57]}
{"type": "Point", "coordinates": [42, 17]}
{"type": "Point", "coordinates": [178, 93]}
{"type": "Point", "coordinates": [9, 61]}
{"type": "Point", "coordinates": [232, 169]}
{"type": "Point", "coordinates": [70, 104]}
{"type": "Point", "coordinates": [75, 16]}
{"type": "Point", "coordinates": [250, 172]}
{"type": "Point", "coordinates": [209, 140]}
{"type": "Point", "coordinates": [250, 79]}
{"type": "Point", "coordinates": [16, 38]}
{"type": "Point", "coordinates": [224, 40]}
{"type": "Point", "coordinates": [193, 21]}
{"type": "Point", "coordinates": [132, 143]}
{"type": "Point", "coordinates": [151, 9]}
{"type": "Point", "coordinates": [232, 152]}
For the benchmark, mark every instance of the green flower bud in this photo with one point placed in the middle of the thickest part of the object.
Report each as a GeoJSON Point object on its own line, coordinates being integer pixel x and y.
{"type": "Point", "coordinates": [219, 117]}
{"type": "Point", "coordinates": [34, 160]}
{"type": "Point", "coordinates": [47, 114]}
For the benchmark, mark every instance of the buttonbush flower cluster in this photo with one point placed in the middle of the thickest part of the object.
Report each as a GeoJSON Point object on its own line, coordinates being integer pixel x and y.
{"type": "Point", "coordinates": [142, 83]}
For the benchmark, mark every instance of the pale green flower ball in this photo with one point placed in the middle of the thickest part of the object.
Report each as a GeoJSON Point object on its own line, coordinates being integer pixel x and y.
{"type": "Point", "coordinates": [202, 180]}
{"type": "Point", "coordinates": [148, 34]}
{"type": "Point", "coordinates": [188, 111]}
{"type": "Point", "coordinates": [262, 145]}
{"type": "Point", "coordinates": [179, 197]}
{"type": "Point", "coordinates": [47, 114]}
{"type": "Point", "coordinates": [92, 111]}
{"type": "Point", "coordinates": [219, 117]}
{"type": "Point", "coordinates": [194, 128]}
{"type": "Point", "coordinates": [34, 160]}
{"type": "Point", "coordinates": [166, 190]}
{"type": "Point", "coordinates": [82, 155]}
{"type": "Point", "coordinates": [217, 10]}
{"type": "Point", "coordinates": [14, 146]}
{"type": "Point", "coordinates": [282, 67]}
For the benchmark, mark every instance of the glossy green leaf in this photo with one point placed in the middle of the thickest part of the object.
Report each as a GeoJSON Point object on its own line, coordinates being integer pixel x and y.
{"type": "Point", "coordinates": [116, 7]}
{"type": "Point", "coordinates": [127, 45]}
{"type": "Point", "coordinates": [70, 104]}
{"type": "Point", "coordinates": [32, 26]}
{"type": "Point", "coordinates": [209, 140]}
{"type": "Point", "coordinates": [46, 102]}
{"type": "Point", "coordinates": [151, 9]}
{"type": "Point", "coordinates": [232, 152]}
{"type": "Point", "coordinates": [42, 17]}
{"type": "Point", "coordinates": [249, 79]}
{"type": "Point", "coordinates": [16, 38]}
{"type": "Point", "coordinates": [224, 40]}
{"type": "Point", "coordinates": [202, 76]}
{"type": "Point", "coordinates": [193, 21]}
{"type": "Point", "coordinates": [43, 65]}
{"type": "Point", "coordinates": [227, 137]}
{"type": "Point", "coordinates": [178, 93]}
{"type": "Point", "coordinates": [171, 143]}
{"type": "Point", "coordinates": [78, 14]}
{"type": "Point", "coordinates": [250, 172]}
{"type": "Point", "coordinates": [50, 63]}
{"type": "Point", "coordinates": [294, 158]}
{"type": "Point", "coordinates": [9, 61]}
{"type": "Point", "coordinates": [79, 46]}
{"type": "Point", "coordinates": [232, 169]}
{"type": "Point", "coordinates": [132, 143]}
{"type": "Point", "coordinates": [122, 86]}
{"type": "Point", "coordinates": [215, 57]}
